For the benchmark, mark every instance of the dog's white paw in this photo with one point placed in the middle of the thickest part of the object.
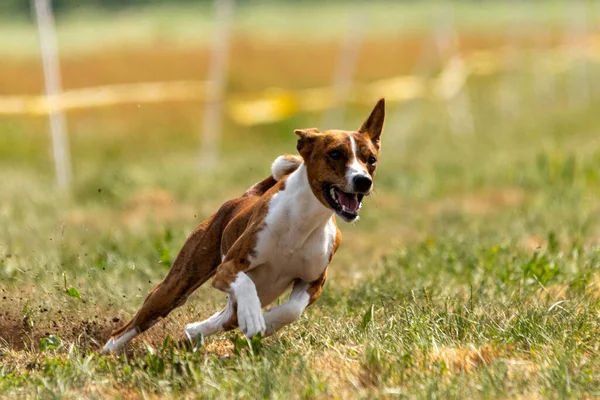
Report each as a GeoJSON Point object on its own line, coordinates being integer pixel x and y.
{"type": "Point", "coordinates": [110, 346]}
{"type": "Point", "coordinates": [249, 309]}
{"type": "Point", "coordinates": [202, 329]}
{"type": "Point", "coordinates": [192, 330]}
{"type": "Point", "coordinates": [250, 318]}
{"type": "Point", "coordinates": [115, 344]}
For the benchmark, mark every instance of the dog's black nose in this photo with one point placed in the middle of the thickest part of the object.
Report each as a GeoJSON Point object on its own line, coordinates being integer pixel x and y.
{"type": "Point", "coordinates": [362, 183]}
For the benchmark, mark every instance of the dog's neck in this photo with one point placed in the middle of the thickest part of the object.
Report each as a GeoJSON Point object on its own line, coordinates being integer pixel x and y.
{"type": "Point", "coordinates": [298, 207]}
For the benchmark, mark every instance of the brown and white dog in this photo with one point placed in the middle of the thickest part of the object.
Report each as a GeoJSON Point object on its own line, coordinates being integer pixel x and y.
{"type": "Point", "coordinates": [281, 233]}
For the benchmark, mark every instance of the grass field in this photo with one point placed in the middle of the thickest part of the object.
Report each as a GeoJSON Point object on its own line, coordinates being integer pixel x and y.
{"type": "Point", "coordinates": [474, 271]}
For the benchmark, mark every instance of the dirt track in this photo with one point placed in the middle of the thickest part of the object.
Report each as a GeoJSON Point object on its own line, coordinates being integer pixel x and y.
{"type": "Point", "coordinates": [23, 325]}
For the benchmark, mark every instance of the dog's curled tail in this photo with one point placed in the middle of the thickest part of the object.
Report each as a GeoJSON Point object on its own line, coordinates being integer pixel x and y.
{"type": "Point", "coordinates": [285, 165]}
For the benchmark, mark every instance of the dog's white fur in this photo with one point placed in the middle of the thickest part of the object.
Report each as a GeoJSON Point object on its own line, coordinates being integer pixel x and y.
{"type": "Point", "coordinates": [116, 344]}
{"type": "Point", "coordinates": [250, 318]}
{"type": "Point", "coordinates": [284, 314]}
{"type": "Point", "coordinates": [283, 164]}
{"type": "Point", "coordinates": [211, 325]}
{"type": "Point", "coordinates": [355, 168]}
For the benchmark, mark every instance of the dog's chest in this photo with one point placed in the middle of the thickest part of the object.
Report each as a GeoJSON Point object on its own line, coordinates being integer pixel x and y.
{"type": "Point", "coordinates": [291, 255]}
{"type": "Point", "coordinates": [297, 239]}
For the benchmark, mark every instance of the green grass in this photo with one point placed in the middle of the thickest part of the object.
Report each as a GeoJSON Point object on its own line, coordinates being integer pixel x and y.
{"type": "Point", "coordinates": [474, 271]}
{"type": "Point", "coordinates": [85, 29]}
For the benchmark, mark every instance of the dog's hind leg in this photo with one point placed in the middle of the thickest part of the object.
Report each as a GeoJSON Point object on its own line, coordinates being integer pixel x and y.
{"type": "Point", "coordinates": [195, 264]}
{"type": "Point", "coordinates": [221, 321]}
{"type": "Point", "coordinates": [168, 295]}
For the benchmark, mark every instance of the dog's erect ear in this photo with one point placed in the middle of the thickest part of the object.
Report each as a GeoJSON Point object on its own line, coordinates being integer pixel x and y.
{"type": "Point", "coordinates": [374, 124]}
{"type": "Point", "coordinates": [305, 141]}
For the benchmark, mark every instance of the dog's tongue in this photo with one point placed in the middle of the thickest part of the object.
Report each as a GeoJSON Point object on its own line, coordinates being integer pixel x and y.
{"type": "Point", "coordinates": [348, 201]}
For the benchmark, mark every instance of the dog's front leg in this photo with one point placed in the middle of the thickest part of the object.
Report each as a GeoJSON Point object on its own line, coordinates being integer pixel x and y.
{"type": "Point", "coordinates": [239, 297]}
{"type": "Point", "coordinates": [284, 314]}
{"type": "Point", "coordinates": [232, 279]}
{"type": "Point", "coordinates": [303, 294]}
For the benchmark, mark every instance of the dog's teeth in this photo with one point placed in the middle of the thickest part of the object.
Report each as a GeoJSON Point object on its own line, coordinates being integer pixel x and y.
{"type": "Point", "coordinates": [334, 196]}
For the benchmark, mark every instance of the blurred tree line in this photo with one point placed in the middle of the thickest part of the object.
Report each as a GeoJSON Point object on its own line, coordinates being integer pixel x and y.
{"type": "Point", "coordinates": [22, 7]}
{"type": "Point", "coordinates": [8, 7]}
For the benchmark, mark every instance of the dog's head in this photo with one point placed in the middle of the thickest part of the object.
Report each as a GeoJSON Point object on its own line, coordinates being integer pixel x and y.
{"type": "Point", "coordinates": [341, 164]}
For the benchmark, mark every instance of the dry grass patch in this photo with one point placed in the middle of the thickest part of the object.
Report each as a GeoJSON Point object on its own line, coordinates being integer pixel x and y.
{"type": "Point", "coordinates": [553, 293]}
{"type": "Point", "coordinates": [151, 205]}
{"type": "Point", "coordinates": [157, 205]}
{"type": "Point", "coordinates": [593, 288]}
{"type": "Point", "coordinates": [533, 243]}
{"type": "Point", "coordinates": [479, 203]}
{"type": "Point", "coordinates": [464, 359]}
{"type": "Point", "coordinates": [339, 367]}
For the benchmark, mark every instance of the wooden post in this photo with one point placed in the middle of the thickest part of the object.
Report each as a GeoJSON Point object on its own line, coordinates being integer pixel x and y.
{"type": "Point", "coordinates": [216, 85]}
{"type": "Point", "coordinates": [52, 80]}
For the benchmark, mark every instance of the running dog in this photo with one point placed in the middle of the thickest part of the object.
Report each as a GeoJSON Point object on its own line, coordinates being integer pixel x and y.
{"type": "Point", "coordinates": [280, 233]}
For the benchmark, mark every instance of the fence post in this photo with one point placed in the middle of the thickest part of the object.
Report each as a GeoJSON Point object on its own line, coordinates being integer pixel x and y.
{"type": "Point", "coordinates": [216, 83]}
{"type": "Point", "coordinates": [52, 81]}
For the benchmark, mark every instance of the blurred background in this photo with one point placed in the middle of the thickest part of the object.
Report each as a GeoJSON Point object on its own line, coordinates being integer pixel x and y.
{"type": "Point", "coordinates": [123, 124]}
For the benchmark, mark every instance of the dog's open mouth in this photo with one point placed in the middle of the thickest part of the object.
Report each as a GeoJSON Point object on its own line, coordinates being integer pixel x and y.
{"type": "Point", "coordinates": [346, 205]}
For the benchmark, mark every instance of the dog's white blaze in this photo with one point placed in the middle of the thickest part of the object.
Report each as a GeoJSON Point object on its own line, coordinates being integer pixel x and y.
{"type": "Point", "coordinates": [355, 168]}
{"type": "Point", "coordinates": [117, 343]}
{"type": "Point", "coordinates": [250, 318]}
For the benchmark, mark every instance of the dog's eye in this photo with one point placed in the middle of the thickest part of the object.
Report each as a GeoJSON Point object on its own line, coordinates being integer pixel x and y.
{"type": "Point", "coordinates": [335, 154]}
{"type": "Point", "coordinates": [372, 160]}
